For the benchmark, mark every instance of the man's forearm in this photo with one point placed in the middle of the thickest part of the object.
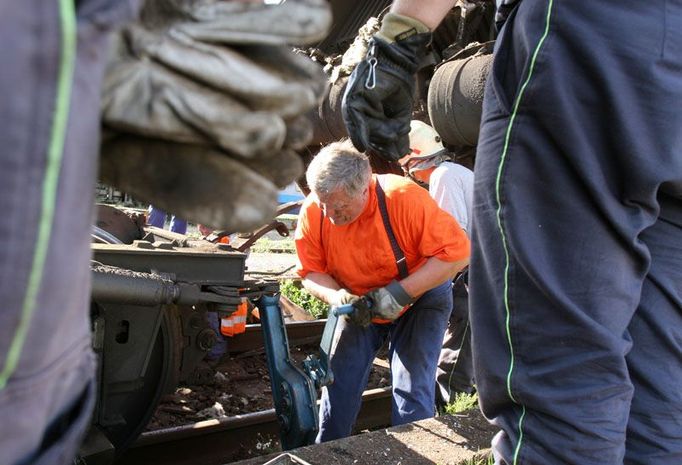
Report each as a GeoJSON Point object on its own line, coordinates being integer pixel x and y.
{"type": "Point", "coordinates": [433, 273]}
{"type": "Point", "coordinates": [321, 285]}
{"type": "Point", "coordinates": [428, 12]}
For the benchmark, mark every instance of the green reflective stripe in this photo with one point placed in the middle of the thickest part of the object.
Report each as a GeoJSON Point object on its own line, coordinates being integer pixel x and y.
{"type": "Point", "coordinates": [459, 357]}
{"type": "Point", "coordinates": [498, 195]}
{"type": "Point", "coordinates": [518, 444]}
{"type": "Point", "coordinates": [60, 118]}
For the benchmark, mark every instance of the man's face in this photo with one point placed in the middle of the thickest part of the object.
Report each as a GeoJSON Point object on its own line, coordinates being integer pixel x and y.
{"type": "Point", "coordinates": [422, 176]}
{"type": "Point", "coordinates": [419, 169]}
{"type": "Point", "coordinates": [341, 208]}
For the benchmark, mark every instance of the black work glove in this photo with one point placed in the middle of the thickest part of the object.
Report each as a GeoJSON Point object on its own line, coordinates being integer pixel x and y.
{"type": "Point", "coordinates": [388, 301]}
{"type": "Point", "coordinates": [377, 104]}
{"type": "Point", "coordinates": [361, 315]}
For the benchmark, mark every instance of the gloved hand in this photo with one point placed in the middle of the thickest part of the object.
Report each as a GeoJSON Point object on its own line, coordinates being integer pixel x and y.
{"type": "Point", "coordinates": [197, 181]}
{"type": "Point", "coordinates": [388, 301]}
{"type": "Point", "coordinates": [377, 104]}
{"type": "Point", "coordinates": [203, 103]}
{"type": "Point", "coordinates": [361, 316]}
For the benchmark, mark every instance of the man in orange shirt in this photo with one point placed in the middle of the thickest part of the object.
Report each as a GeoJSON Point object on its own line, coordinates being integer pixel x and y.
{"type": "Point", "coordinates": [382, 237]}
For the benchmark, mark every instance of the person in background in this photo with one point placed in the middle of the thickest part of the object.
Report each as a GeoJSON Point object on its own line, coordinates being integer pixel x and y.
{"type": "Point", "coordinates": [207, 234]}
{"type": "Point", "coordinates": [205, 231]}
{"type": "Point", "coordinates": [228, 326]}
{"type": "Point", "coordinates": [157, 218]}
{"type": "Point", "coordinates": [380, 243]}
{"type": "Point", "coordinates": [576, 269]}
{"type": "Point", "coordinates": [451, 186]}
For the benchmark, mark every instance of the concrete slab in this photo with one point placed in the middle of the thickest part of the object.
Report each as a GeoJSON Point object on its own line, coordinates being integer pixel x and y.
{"type": "Point", "coordinates": [445, 440]}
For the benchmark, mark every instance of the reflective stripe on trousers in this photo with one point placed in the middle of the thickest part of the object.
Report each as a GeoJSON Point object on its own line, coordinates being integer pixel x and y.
{"type": "Point", "coordinates": [576, 270]}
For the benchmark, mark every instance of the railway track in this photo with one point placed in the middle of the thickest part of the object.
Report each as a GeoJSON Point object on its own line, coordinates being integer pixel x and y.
{"type": "Point", "coordinates": [218, 442]}
{"type": "Point", "coordinates": [298, 333]}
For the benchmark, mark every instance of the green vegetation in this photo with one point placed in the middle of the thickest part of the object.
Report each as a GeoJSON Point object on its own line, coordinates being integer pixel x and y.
{"type": "Point", "coordinates": [267, 245]}
{"type": "Point", "coordinates": [488, 459]}
{"type": "Point", "coordinates": [294, 292]}
{"type": "Point", "coordinates": [463, 402]}
{"type": "Point", "coordinates": [193, 234]}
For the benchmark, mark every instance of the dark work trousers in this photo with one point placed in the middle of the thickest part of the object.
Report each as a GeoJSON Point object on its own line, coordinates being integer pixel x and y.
{"type": "Point", "coordinates": [455, 372]}
{"type": "Point", "coordinates": [157, 218]}
{"type": "Point", "coordinates": [576, 270]}
{"type": "Point", "coordinates": [51, 66]}
{"type": "Point", "coordinates": [414, 343]}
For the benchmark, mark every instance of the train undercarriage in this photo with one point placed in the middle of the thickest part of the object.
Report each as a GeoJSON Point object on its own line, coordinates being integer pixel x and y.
{"type": "Point", "coordinates": [151, 298]}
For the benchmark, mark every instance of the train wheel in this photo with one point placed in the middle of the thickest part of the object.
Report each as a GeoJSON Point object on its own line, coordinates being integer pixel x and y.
{"type": "Point", "coordinates": [126, 405]}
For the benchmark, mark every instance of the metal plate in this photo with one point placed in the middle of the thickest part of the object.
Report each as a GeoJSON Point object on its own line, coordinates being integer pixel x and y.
{"type": "Point", "coordinates": [207, 265]}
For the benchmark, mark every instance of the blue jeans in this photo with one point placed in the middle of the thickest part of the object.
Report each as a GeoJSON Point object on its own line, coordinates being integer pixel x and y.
{"type": "Point", "coordinates": [220, 347]}
{"type": "Point", "coordinates": [576, 269]}
{"type": "Point", "coordinates": [157, 218]}
{"type": "Point", "coordinates": [415, 341]}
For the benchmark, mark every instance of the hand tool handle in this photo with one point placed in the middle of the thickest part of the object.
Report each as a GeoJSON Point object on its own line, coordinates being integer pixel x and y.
{"type": "Point", "coordinates": [350, 308]}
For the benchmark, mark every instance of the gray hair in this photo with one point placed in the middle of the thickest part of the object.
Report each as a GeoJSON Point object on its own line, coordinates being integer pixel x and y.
{"type": "Point", "coordinates": [339, 165]}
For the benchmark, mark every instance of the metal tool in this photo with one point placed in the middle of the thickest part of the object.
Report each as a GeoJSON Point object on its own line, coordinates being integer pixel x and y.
{"type": "Point", "coordinates": [318, 368]}
{"type": "Point", "coordinates": [292, 390]}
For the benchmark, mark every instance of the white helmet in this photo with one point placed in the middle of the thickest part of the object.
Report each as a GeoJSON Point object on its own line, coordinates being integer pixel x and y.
{"type": "Point", "coordinates": [426, 148]}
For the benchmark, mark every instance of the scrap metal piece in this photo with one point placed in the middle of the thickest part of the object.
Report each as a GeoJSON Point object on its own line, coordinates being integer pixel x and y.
{"type": "Point", "coordinates": [280, 227]}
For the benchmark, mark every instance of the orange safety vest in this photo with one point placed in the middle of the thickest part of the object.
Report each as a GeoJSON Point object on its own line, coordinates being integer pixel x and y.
{"type": "Point", "coordinates": [235, 323]}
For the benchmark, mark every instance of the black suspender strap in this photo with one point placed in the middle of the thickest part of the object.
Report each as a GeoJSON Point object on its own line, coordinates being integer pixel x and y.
{"type": "Point", "coordinates": [321, 226]}
{"type": "Point", "coordinates": [400, 261]}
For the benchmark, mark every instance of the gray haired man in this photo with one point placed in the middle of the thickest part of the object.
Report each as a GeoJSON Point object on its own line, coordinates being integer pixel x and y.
{"type": "Point", "coordinates": [382, 237]}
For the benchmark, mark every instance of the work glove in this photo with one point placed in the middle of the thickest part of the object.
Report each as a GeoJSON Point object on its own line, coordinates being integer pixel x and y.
{"type": "Point", "coordinates": [377, 104]}
{"type": "Point", "coordinates": [361, 315]}
{"type": "Point", "coordinates": [503, 11]}
{"type": "Point", "coordinates": [203, 106]}
{"type": "Point", "coordinates": [198, 179]}
{"type": "Point", "coordinates": [387, 302]}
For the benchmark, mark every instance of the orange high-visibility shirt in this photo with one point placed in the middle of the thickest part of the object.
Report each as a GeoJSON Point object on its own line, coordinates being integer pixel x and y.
{"type": "Point", "coordinates": [359, 255]}
{"type": "Point", "coordinates": [235, 323]}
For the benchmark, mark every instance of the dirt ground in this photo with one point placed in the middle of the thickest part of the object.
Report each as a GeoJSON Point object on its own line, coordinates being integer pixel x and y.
{"type": "Point", "coordinates": [279, 265]}
{"type": "Point", "coordinates": [241, 385]}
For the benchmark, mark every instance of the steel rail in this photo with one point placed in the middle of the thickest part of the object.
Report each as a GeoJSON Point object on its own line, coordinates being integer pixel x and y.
{"type": "Point", "coordinates": [217, 442]}
{"type": "Point", "coordinates": [298, 333]}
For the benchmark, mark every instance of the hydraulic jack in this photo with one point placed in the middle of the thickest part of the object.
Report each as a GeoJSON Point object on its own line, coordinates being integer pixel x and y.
{"type": "Point", "coordinates": [293, 389]}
